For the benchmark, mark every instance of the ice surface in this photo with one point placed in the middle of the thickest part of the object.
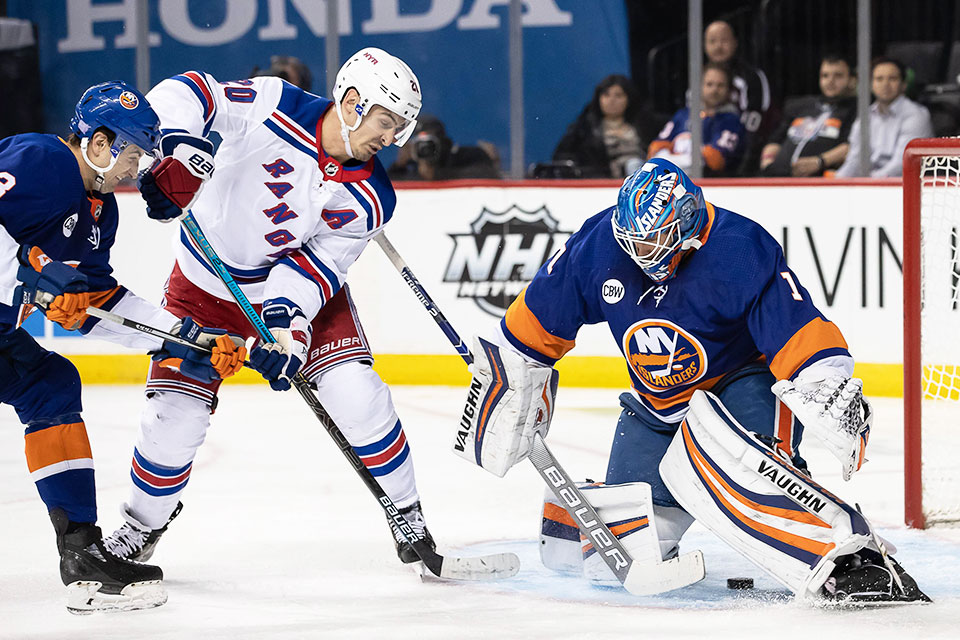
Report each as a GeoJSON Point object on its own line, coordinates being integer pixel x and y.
{"type": "Point", "coordinates": [279, 539]}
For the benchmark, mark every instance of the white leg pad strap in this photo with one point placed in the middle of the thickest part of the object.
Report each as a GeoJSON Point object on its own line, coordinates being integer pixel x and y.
{"type": "Point", "coordinates": [648, 533]}
{"type": "Point", "coordinates": [766, 509]}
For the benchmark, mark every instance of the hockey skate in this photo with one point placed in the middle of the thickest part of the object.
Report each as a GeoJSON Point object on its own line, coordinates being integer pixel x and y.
{"type": "Point", "coordinates": [134, 540]}
{"type": "Point", "coordinates": [414, 517]}
{"type": "Point", "coordinates": [867, 578]}
{"type": "Point", "coordinates": [98, 580]}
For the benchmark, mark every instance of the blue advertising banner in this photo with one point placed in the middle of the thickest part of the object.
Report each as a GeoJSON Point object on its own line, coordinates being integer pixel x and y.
{"type": "Point", "coordinates": [458, 49]}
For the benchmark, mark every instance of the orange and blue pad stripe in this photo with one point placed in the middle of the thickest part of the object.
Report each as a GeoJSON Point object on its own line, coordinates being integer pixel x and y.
{"type": "Point", "coordinates": [61, 465]}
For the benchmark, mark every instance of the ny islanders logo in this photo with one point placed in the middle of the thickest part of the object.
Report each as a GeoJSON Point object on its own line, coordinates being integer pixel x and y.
{"type": "Point", "coordinates": [663, 355]}
{"type": "Point", "coordinates": [129, 100]}
{"type": "Point", "coordinates": [501, 254]}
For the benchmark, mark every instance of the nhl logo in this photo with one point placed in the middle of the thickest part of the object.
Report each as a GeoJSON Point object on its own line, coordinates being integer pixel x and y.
{"type": "Point", "coordinates": [331, 168]}
{"type": "Point", "coordinates": [129, 100]}
{"type": "Point", "coordinates": [501, 254]}
{"type": "Point", "coordinates": [69, 225]}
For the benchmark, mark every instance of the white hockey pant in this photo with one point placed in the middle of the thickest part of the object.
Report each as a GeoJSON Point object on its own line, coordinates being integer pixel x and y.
{"type": "Point", "coordinates": [174, 425]}
{"type": "Point", "coordinates": [763, 507]}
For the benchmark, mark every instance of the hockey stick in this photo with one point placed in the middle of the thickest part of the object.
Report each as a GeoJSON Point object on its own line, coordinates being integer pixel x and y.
{"type": "Point", "coordinates": [639, 579]}
{"type": "Point", "coordinates": [494, 566]}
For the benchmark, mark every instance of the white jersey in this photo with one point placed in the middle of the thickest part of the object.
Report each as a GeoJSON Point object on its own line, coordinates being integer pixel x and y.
{"type": "Point", "coordinates": [286, 219]}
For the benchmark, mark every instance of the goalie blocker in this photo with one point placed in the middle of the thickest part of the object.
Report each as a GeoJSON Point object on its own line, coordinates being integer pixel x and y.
{"type": "Point", "coordinates": [509, 400]}
{"type": "Point", "coordinates": [776, 516]}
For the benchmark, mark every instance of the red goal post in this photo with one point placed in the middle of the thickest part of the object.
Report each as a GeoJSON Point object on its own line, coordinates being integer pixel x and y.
{"type": "Point", "coordinates": [931, 331]}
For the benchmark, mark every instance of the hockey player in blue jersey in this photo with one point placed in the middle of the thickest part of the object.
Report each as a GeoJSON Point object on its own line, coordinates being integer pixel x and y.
{"type": "Point", "coordinates": [709, 318]}
{"type": "Point", "coordinates": [58, 221]}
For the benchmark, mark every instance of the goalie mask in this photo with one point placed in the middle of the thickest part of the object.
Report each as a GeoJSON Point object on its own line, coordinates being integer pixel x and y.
{"type": "Point", "coordinates": [380, 79]}
{"type": "Point", "coordinates": [660, 214]}
{"type": "Point", "coordinates": [121, 109]}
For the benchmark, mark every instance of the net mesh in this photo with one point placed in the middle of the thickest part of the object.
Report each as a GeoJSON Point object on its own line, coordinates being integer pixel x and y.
{"type": "Point", "coordinates": [940, 337]}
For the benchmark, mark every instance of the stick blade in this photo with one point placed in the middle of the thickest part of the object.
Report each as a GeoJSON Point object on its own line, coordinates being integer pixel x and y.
{"type": "Point", "coordinates": [651, 579]}
{"type": "Point", "coordinates": [497, 566]}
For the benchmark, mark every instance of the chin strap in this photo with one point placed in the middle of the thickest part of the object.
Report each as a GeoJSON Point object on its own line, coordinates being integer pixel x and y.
{"type": "Point", "coordinates": [100, 170]}
{"type": "Point", "coordinates": [345, 130]}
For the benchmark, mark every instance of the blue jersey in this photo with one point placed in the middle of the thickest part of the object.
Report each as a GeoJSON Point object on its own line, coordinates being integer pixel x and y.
{"type": "Point", "coordinates": [723, 139]}
{"type": "Point", "coordinates": [734, 301]}
{"type": "Point", "coordinates": [43, 203]}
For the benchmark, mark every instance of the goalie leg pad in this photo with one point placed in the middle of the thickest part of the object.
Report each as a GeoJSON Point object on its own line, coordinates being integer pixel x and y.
{"type": "Point", "coordinates": [509, 400]}
{"type": "Point", "coordinates": [764, 508]}
{"type": "Point", "coordinates": [648, 533]}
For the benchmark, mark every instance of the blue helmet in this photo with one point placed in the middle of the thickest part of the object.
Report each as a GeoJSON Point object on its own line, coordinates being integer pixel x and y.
{"type": "Point", "coordinates": [121, 109]}
{"type": "Point", "coordinates": [659, 215]}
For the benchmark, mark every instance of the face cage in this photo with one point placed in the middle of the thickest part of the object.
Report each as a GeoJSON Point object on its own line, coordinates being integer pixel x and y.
{"type": "Point", "coordinates": [650, 253]}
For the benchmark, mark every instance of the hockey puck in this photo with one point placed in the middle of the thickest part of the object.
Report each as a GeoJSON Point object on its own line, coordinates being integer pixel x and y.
{"type": "Point", "coordinates": [739, 583]}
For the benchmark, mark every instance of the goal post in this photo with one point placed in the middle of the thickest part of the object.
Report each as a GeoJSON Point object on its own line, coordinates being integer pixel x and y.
{"type": "Point", "coordinates": [931, 331]}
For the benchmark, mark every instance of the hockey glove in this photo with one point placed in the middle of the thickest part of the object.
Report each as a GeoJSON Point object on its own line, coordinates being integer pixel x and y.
{"type": "Point", "coordinates": [171, 184]}
{"type": "Point", "coordinates": [281, 360]}
{"type": "Point", "coordinates": [227, 357]}
{"type": "Point", "coordinates": [834, 410]}
{"type": "Point", "coordinates": [58, 289]}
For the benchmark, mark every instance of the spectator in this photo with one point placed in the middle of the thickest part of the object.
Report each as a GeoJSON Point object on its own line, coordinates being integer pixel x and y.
{"type": "Point", "coordinates": [895, 120]}
{"type": "Point", "coordinates": [723, 133]}
{"type": "Point", "coordinates": [287, 68]}
{"type": "Point", "coordinates": [432, 155]}
{"type": "Point", "coordinates": [749, 88]}
{"type": "Point", "coordinates": [606, 140]}
{"type": "Point", "coordinates": [813, 134]}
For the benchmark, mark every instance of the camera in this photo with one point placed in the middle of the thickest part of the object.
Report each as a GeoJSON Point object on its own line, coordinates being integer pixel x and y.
{"type": "Point", "coordinates": [426, 147]}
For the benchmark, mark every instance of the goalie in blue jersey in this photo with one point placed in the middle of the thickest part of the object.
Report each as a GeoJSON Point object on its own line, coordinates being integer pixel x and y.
{"type": "Point", "coordinates": [729, 360]}
{"type": "Point", "coordinates": [58, 222]}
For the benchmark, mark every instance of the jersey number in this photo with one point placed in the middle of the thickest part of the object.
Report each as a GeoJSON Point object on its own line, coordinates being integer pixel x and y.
{"type": "Point", "coordinates": [786, 275]}
{"type": "Point", "coordinates": [7, 182]}
{"type": "Point", "coordinates": [239, 94]}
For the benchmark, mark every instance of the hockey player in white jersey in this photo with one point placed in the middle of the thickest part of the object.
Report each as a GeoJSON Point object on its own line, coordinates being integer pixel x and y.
{"type": "Point", "coordinates": [296, 194]}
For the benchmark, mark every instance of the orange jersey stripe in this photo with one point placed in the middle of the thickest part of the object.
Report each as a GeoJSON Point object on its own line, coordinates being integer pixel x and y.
{"type": "Point", "coordinates": [527, 329]}
{"type": "Point", "coordinates": [557, 514]}
{"type": "Point", "coordinates": [813, 337]}
{"type": "Point", "coordinates": [56, 444]}
{"type": "Point", "coordinates": [714, 158]}
{"type": "Point", "coordinates": [684, 396]}
{"type": "Point", "coordinates": [804, 517]}
{"type": "Point", "coordinates": [99, 298]}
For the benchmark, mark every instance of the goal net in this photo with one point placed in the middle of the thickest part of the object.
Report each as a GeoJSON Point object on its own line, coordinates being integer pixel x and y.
{"type": "Point", "coordinates": [931, 271]}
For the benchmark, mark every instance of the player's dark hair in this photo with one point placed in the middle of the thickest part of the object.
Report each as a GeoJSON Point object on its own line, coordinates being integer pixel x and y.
{"type": "Point", "coordinates": [886, 60]}
{"type": "Point", "coordinates": [74, 140]}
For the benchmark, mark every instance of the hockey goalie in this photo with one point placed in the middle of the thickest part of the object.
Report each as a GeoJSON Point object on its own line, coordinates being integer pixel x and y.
{"type": "Point", "coordinates": [730, 364]}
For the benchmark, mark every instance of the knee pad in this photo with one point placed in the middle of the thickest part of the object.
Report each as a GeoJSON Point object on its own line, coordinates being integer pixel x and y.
{"type": "Point", "coordinates": [172, 428]}
{"type": "Point", "coordinates": [762, 506]}
{"type": "Point", "coordinates": [358, 401]}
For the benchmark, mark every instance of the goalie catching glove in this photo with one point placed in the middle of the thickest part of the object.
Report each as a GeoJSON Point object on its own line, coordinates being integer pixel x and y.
{"type": "Point", "coordinates": [509, 400]}
{"type": "Point", "coordinates": [280, 361]}
{"type": "Point", "coordinates": [833, 409]}
{"type": "Point", "coordinates": [228, 352]}
{"type": "Point", "coordinates": [172, 183]}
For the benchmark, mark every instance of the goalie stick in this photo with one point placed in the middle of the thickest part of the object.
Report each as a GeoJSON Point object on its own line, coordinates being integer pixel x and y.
{"type": "Point", "coordinates": [488, 567]}
{"type": "Point", "coordinates": [638, 579]}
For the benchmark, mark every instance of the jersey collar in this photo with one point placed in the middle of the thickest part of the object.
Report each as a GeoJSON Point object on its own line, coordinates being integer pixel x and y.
{"type": "Point", "coordinates": [354, 171]}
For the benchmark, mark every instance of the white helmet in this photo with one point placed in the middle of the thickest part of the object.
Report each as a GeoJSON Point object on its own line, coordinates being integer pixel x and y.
{"type": "Point", "coordinates": [381, 79]}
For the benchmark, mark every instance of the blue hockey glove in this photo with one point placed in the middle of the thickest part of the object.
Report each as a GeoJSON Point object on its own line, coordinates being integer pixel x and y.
{"type": "Point", "coordinates": [227, 357]}
{"type": "Point", "coordinates": [281, 360]}
{"type": "Point", "coordinates": [171, 184]}
{"type": "Point", "coordinates": [60, 290]}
